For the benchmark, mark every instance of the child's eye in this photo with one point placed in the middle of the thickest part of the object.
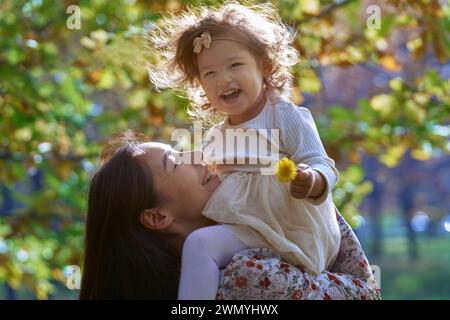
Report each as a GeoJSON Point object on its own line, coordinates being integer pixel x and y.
{"type": "Point", "coordinates": [208, 73]}
{"type": "Point", "coordinates": [236, 64]}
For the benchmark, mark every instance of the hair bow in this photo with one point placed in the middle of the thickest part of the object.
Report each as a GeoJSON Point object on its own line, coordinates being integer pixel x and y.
{"type": "Point", "coordinates": [203, 40]}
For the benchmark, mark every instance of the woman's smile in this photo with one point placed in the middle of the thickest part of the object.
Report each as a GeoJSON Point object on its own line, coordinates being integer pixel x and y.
{"type": "Point", "coordinates": [210, 180]}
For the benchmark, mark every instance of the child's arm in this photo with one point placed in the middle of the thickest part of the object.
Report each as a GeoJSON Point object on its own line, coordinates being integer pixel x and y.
{"type": "Point", "coordinates": [300, 139]}
{"type": "Point", "coordinates": [308, 183]}
{"type": "Point", "coordinates": [205, 251]}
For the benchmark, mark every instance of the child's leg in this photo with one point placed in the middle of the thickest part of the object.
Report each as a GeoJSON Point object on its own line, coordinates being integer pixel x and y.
{"type": "Point", "coordinates": [205, 251]}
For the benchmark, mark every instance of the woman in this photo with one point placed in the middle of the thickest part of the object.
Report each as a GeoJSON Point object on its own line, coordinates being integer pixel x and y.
{"type": "Point", "coordinates": [142, 205]}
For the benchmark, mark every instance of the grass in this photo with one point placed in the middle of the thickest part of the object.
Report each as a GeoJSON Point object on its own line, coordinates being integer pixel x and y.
{"type": "Point", "coordinates": [428, 277]}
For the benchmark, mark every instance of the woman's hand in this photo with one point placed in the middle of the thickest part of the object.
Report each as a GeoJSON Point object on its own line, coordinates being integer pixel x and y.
{"type": "Point", "coordinates": [307, 183]}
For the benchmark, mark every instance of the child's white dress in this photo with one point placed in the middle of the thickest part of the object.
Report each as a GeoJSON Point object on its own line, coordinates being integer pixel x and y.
{"type": "Point", "coordinates": [257, 207]}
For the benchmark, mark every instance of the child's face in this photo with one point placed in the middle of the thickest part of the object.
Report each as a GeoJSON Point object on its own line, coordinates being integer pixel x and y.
{"type": "Point", "coordinates": [231, 78]}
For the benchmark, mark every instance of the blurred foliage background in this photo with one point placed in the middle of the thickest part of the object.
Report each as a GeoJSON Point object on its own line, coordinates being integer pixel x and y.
{"type": "Point", "coordinates": [379, 91]}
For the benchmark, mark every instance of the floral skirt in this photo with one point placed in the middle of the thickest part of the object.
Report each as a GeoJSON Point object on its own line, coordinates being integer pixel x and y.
{"type": "Point", "coordinates": [260, 274]}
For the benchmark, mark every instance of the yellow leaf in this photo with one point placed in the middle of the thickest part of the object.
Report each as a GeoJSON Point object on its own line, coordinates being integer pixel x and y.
{"type": "Point", "coordinates": [414, 44]}
{"type": "Point", "coordinates": [389, 63]}
{"type": "Point", "coordinates": [23, 134]}
{"type": "Point", "coordinates": [421, 98]}
{"type": "Point", "coordinates": [14, 283]}
{"type": "Point", "coordinates": [87, 42]}
{"type": "Point", "coordinates": [393, 155]}
{"type": "Point", "coordinates": [396, 84]}
{"type": "Point", "coordinates": [355, 54]}
{"type": "Point", "coordinates": [355, 156]}
{"type": "Point", "coordinates": [311, 7]}
{"type": "Point", "coordinates": [415, 112]}
{"type": "Point", "coordinates": [107, 79]}
{"type": "Point", "coordinates": [383, 103]}
{"type": "Point", "coordinates": [100, 35]}
{"type": "Point", "coordinates": [172, 5]}
{"type": "Point", "coordinates": [309, 82]}
{"type": "Point", "coordinates": [420, 154]}
{"type": "Point", "coordinates": [138, 99]}
{"type": "Point", "coordinates": [297, 96]}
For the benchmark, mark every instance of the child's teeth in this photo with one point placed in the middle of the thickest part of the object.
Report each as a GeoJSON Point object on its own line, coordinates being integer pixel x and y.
{"type": "Point", "coordinates": [229, 92]}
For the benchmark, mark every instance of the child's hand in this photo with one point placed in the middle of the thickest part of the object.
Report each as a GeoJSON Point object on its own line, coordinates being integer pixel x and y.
{"type": "Point", "coordinates": [302, 185]}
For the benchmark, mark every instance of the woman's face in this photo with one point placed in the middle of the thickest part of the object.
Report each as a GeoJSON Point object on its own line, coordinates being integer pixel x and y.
{"type": "Point", "coordinates": [185, 188]}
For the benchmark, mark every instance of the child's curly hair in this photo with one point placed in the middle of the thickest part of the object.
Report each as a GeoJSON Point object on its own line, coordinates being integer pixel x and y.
{"type": "Point", "coordinates": [174, 64]}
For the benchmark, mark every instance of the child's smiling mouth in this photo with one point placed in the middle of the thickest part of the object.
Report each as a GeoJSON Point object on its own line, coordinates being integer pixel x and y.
{"type": "Point", "coordinates": [230, 96]}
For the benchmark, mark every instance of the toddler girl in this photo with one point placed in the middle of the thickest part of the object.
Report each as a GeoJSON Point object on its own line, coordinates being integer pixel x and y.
{"type": "Point", "coordinates": [236, 61]}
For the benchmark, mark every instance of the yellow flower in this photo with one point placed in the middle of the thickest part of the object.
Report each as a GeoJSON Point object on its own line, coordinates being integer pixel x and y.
{"type": "Point", "coordinates": [286, 170]}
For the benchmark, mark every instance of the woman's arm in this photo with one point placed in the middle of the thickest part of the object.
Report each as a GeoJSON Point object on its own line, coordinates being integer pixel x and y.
{"type": "Point", "coordinates": [261, 274]}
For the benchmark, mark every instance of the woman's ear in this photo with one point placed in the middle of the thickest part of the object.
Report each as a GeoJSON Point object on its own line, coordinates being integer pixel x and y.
{"type": "Point", "coordinates": [155, 219]}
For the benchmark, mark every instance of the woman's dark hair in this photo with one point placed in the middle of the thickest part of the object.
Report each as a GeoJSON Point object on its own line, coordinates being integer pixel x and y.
{"type": "Point", "coordinates": [122, 258]}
